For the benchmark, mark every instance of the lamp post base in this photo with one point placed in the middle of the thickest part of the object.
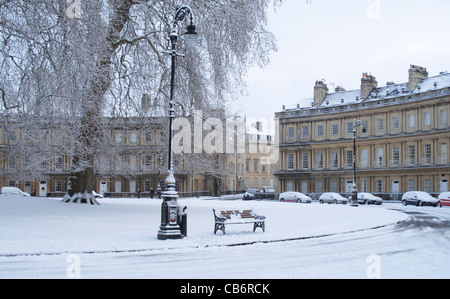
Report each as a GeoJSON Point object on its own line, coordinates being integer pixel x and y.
{"type": "Point", "coordinates": [169, 233]}
{"type": "Point", "coordinates": [169, 228]}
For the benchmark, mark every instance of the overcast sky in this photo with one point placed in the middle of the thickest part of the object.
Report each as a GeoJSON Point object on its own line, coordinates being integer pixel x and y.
{"type": "Point", "coordinates": [338, 40]}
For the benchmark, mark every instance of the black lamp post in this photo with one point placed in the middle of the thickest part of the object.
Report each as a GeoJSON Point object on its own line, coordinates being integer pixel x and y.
{"type": "Point", "coordinates": [357, 123]}
{"type": "Point", "coordinates": [169, 228]}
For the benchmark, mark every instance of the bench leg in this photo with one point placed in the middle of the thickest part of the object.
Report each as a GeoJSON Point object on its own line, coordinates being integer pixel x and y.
{"type": "Point", "coordinates": [261, 224]}
{"type": "Point", "coordinates": [219, 226]}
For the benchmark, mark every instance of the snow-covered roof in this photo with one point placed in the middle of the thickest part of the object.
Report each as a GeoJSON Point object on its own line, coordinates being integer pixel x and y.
{"type": "Point", "coordinates": [393, 90]}
{"type": "Point", "coordinates": [427, 84]}
{"type": "Point", "coordinates": [342, 98]}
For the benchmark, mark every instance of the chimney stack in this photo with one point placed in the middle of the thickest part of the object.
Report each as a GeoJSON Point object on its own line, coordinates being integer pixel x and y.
{"type": "Point", "coordinates": [368, 84]}
{"type": "Point", "coordinates": [320, 92]}
{"type": "Point", "coordinates": [416, 75]}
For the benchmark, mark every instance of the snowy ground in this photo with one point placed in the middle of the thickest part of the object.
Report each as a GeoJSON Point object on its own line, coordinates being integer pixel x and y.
{"type": "Point", "coordinates": [44, 238]}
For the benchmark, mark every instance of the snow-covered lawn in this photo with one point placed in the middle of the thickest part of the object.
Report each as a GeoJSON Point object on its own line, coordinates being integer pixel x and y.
{"type": "Point", "coordinates": [46, 226]}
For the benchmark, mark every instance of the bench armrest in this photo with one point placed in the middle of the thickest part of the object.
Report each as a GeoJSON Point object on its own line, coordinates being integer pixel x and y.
{"type": "Point", "coordinates": [260, 217]}
{"type": "Point", "coordinates": [218, 218]}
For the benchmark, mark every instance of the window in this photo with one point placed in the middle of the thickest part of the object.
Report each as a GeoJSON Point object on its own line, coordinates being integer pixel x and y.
{"type": "Point", "coordinates": [411, 121]}
{"type": "Point", "coordinates": [349, 128]}
{"type": "Point", "coordinates": [380, 156]}
{"type": "Point", "coordinates": [335, 130]}
{"type": "Point", "coordinates": [290, 133]}
{"type": "Point", "coordinates": [334, 186]}
{"type": "Point", "coordinates": [427, 185]}
{"type": "Point", "coordinates": [305, 161]}
{"type": "Point", "coordinates": [443, 152]}
{"type": "Point", "coordinates": [380, 122]}
{"type": "Point", "coordinates": [395, 155]}
{"type": "Point", "coordinates": [304, 187]}
{"type": "Point", "coordinates": [411, 185]}
{"type": "Point", "coordinates": [147, 186]}
{"type": "Point", "coordinates": [305, 132]}
{"type": "Point", "coordinates": [443, 116]}
{"type": "Point", "coordinates": [59, 163]}
{"type": "Point", "coordinates": [427, 119]}
{"type": "Point", "coordinates": [319, 131]}
{"type": "Point", "coordinates": [133, 137]}
{"type": "Point", "coordinates": [118, 186]}
{"type": "Point", "coordinates": [411, 154]}
{"type": "Point", "coordinates": [290, 163]}
{"type": "Point", "coordinates": [319, 187]}
{"type": "Point", "coordinates": [349, 159]}
{"type": "Point", "coordinates": [334, 160]}
{"type": "Point", "coordinates": [379, 186]}
{"type": "Point", "coordinates": [319, 160]}
{"type": "Point", "coordinates": [395, 123]}
{"type": "Point", "coordinates": [364, 157]}
{"type": "Point", "coordinates": [364, 186]}
{"type": "Point", "coordinates": [148, 136]}
{"type": "Point", "coordinates": [58, 186]}
{"type": "Point", "coordinates": [255, 165]}
{"type": "Point", "coordinates": [147, 162]}
{"type": "Point", "coordinates": [118, 137]}
{"type": "Point", "coordinates": [12, 162]}
{"type": "Point", "coordinates": [289, 186]}
{"type": "Point", "coordinates": [427, 153]}
{"type": "Point", "coordinates": [247, 166]}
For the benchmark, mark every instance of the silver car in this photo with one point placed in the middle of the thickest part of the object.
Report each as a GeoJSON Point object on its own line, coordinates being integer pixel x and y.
{"type": "Point", "coordinates": [332, 197]}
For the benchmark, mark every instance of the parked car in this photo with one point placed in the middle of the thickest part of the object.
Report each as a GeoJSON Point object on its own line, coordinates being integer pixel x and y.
{"type": "Point", "coordinates": [368, 198]}
{"type": "Point", "coordinates": [294, 197]}
{"type": "Point", "coordinates": [251, 194]}
{"type": "Point", "coordinates": [14, 191]}
{"type": "Point", "coordinates": [332, 197]}
{"type": "Point", "coordinates": [419, 198]}
{"type": "Point", "coordinates": [444, 199]}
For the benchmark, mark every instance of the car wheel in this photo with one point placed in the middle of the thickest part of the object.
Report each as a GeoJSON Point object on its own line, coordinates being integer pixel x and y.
{"type": "Point", "coordinates": [321, 202]}
{"type": "Point", "coordinates": [335, 201]}
{"type": "Point", "coordinates": [404, 203]}
{"type": "Point", "coordinates": [419, 204]}
{"type": "Point", "coordinates": [282, 199]}
{"type": "Point", "coordinates": [439, 205]}
{"type": "Point", "coordinates": [299, 200]}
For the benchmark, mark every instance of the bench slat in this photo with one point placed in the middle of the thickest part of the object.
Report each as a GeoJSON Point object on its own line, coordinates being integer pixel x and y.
{"type": "Point", "coordinates": [238, 217]}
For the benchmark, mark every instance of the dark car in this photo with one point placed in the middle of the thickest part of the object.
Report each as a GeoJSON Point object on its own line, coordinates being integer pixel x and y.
{"type": "Point", "coordinates": [251, 194]}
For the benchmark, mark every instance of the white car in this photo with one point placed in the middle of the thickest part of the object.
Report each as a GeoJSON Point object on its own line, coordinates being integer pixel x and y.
{"type": "Point", "coordinates": [444, 199]}
{"type": "Point", "coordinates": [292, 196]}
{"type": "Point", "coordinates": [419, 198]}
{"type": "Point", "coordinates": [368, 198]}
{"type": "Point", "coordinates": [332, 197]}
{"type": "Point", "coordinates": [14, 191]}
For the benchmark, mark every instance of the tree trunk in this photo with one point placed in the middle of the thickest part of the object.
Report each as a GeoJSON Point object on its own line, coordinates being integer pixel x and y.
{"type": "Point", "coordinates": [82, 179]}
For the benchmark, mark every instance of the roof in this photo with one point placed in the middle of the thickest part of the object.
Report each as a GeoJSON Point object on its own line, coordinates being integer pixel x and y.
{"type": "Point", "coordinates": [390, 91]}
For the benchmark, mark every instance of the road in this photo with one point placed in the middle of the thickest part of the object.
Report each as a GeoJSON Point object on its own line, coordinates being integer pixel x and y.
{"type": "Point", "coordinates": [417, 248]}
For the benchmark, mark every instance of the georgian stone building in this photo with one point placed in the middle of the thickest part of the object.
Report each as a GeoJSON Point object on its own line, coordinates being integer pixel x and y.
{"type": "Point", "coordinates": [405, 146]}
{"type": "Point", "coordinates": [134, 157]}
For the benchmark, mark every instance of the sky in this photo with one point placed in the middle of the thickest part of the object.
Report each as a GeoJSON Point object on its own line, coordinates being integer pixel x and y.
{"type": "Point", "coordinates": [338, 40]}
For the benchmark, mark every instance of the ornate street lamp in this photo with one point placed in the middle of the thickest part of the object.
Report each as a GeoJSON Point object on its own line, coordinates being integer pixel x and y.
{"type": "Point", "coordinates": [354, 201]}
{"type": "Point", "coordinates": [169, 228]}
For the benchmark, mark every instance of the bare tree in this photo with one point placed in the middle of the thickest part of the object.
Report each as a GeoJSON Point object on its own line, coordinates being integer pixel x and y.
{"type": "Point", "coordinates": [72, 63]}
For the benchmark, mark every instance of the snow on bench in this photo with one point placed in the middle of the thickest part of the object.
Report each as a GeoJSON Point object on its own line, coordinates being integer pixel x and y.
{"type": "Point", "coordinates": [238, 217]}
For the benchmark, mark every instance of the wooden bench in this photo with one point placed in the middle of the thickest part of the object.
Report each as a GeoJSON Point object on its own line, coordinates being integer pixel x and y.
{"type": "Point", "coordinates": [237, 217]}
